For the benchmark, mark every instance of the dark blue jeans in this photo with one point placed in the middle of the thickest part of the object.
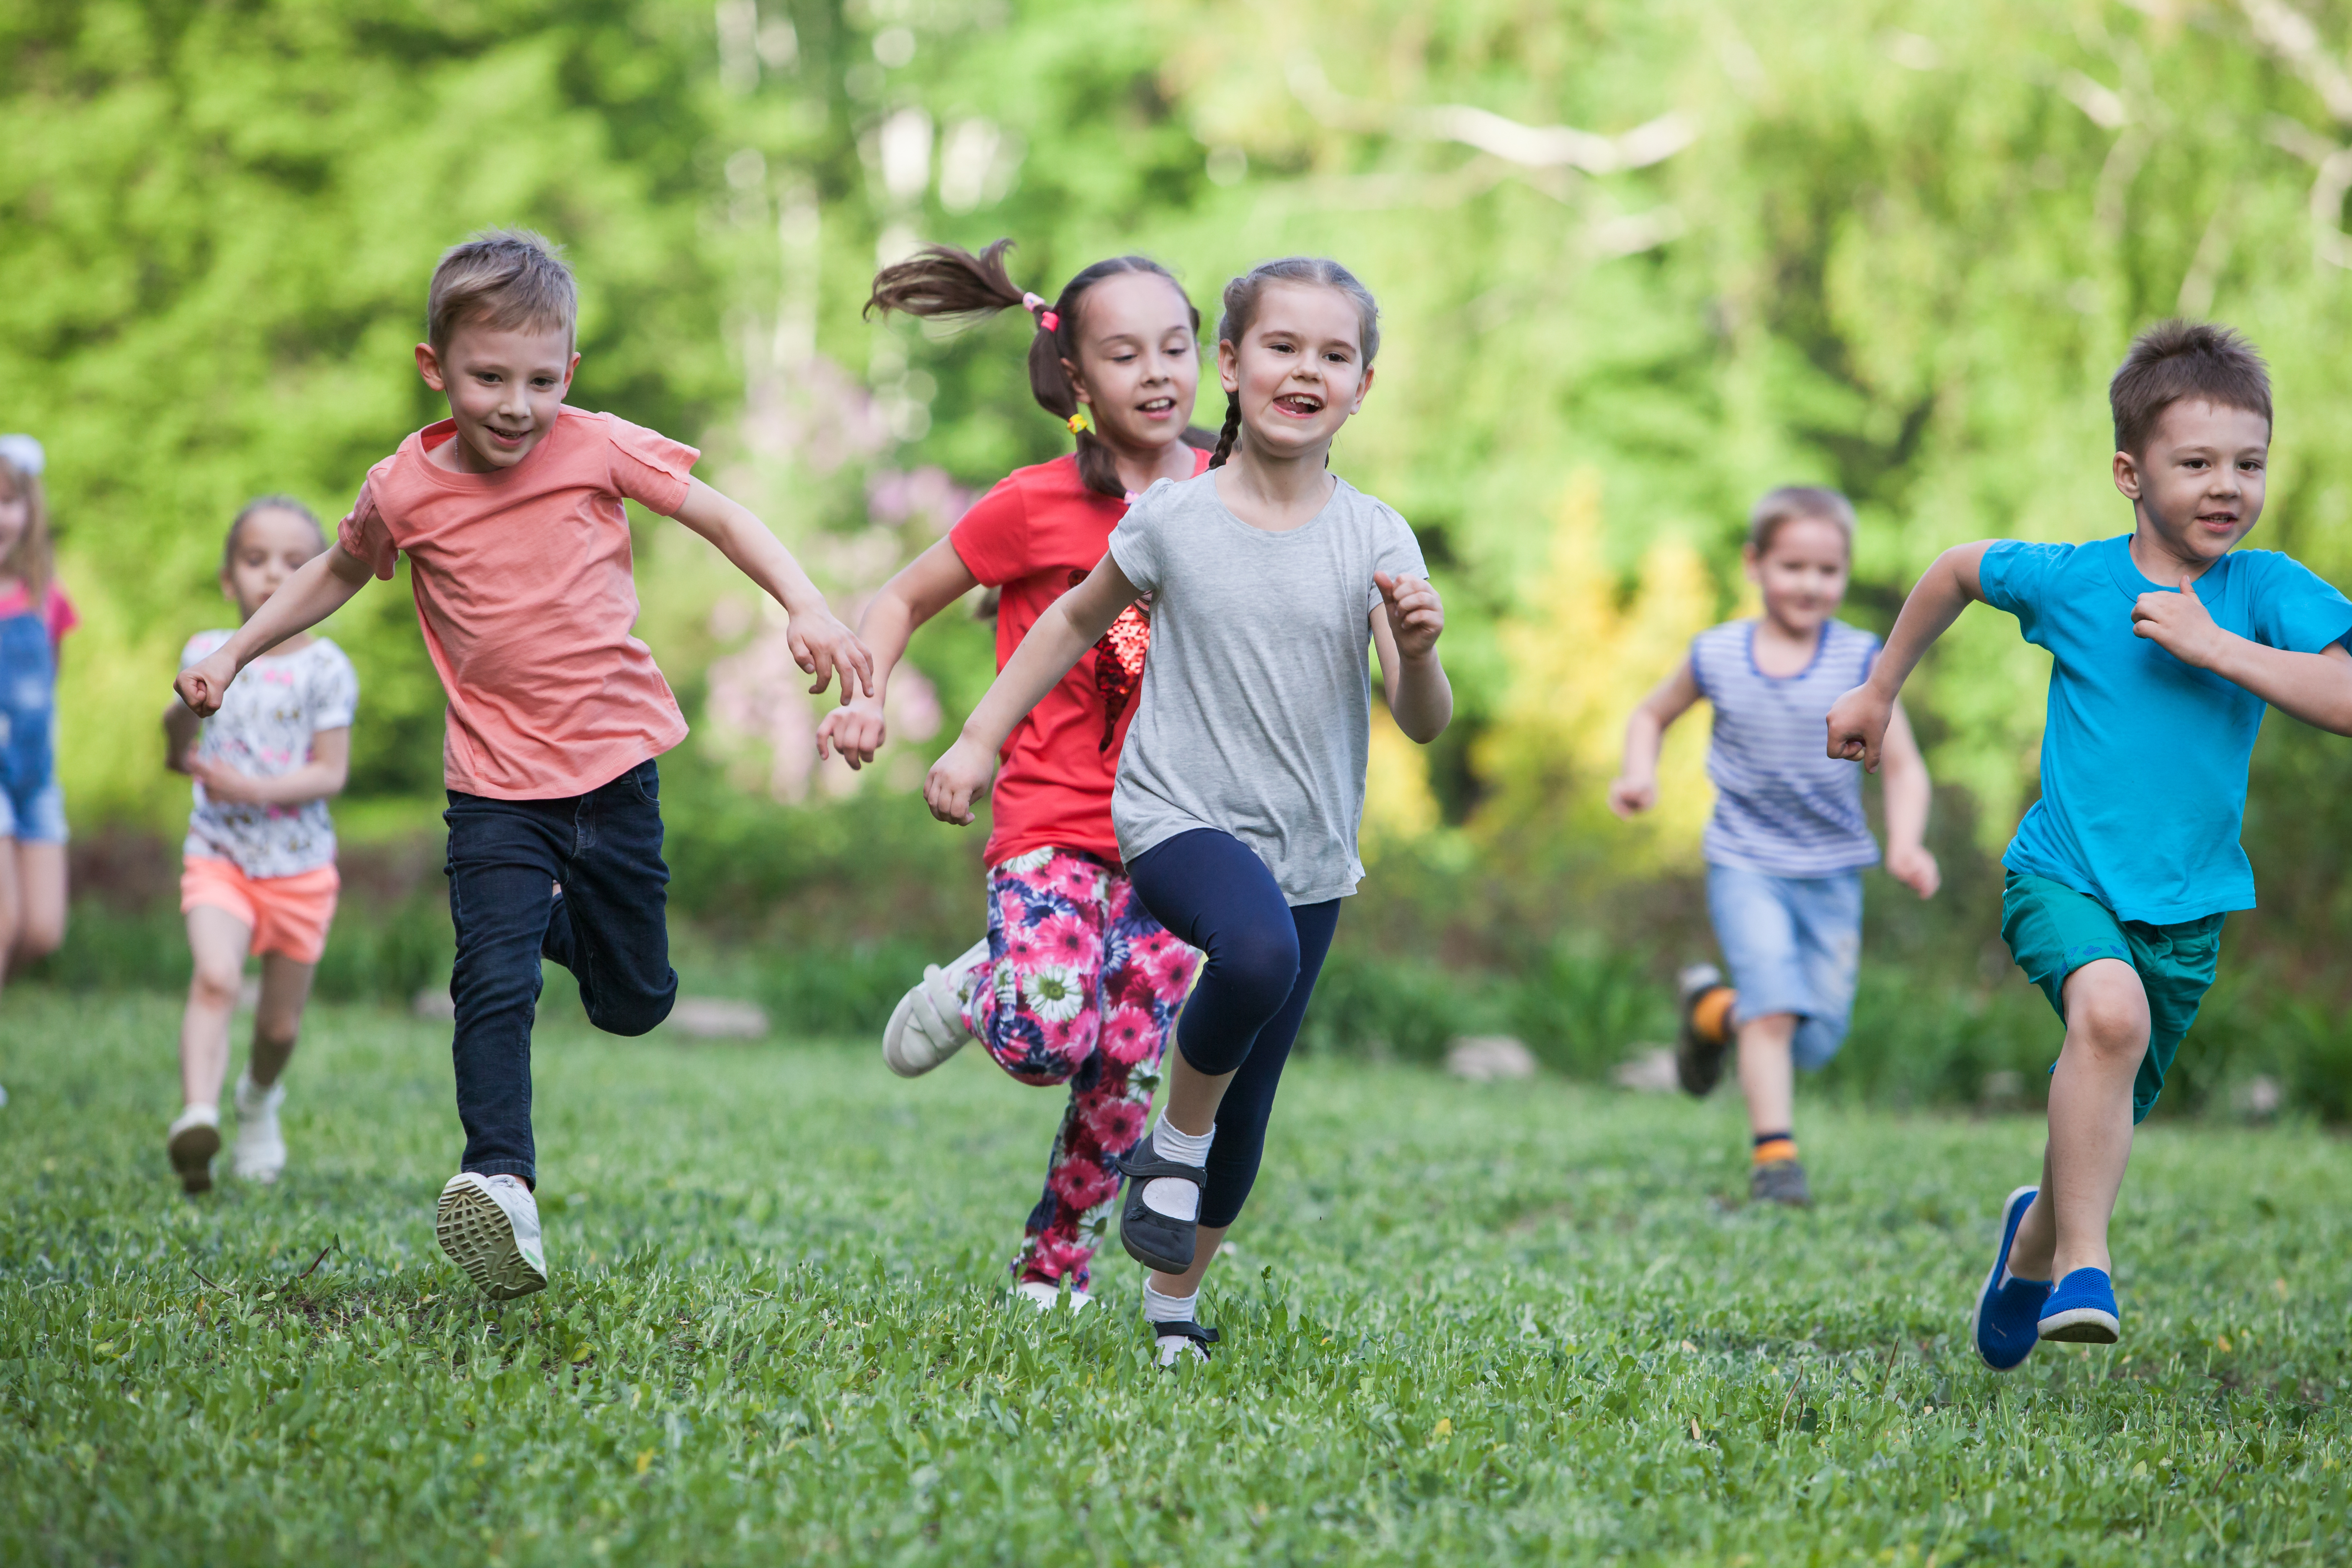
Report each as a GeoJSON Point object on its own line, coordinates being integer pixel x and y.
{"type": "Point", "coordinates": [608, 927]}
{"type": "Point", "coordinates": [1212, 892]}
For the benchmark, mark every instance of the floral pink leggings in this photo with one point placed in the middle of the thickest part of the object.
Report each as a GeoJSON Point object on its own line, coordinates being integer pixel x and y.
{"type": "Point", "coordinates": [1082, 988]}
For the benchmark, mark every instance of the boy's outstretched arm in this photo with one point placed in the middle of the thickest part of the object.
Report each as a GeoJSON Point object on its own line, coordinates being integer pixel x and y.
{"type": "Point", "coordinates": [1635, 788]}
{"type": "Point", "coordinates": [1858, 719]}
{"type": "Point", "coordinates": [821, 644]}
{"type": "Point", "coordinates": [2315, 687]}
{"type": "Point", "coordinates": [1908, 794]}
{"type": "Point", "coordinates": [1071, 624]}
{"type": "Point", "coordinates": [920, 589]}
{"type": "Point", "coordinates": [325, 584]}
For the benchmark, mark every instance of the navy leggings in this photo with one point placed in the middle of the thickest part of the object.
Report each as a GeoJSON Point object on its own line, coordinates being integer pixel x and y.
{"type": "Point", "coordinates": [1212, 892]}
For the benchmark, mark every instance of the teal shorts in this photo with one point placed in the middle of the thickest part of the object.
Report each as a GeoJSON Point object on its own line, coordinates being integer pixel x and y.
{"type": "Point", "coordinates": [2053, 930]}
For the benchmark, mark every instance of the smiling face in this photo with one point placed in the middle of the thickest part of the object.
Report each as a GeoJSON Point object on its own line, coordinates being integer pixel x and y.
{"type": "Point", "coordinates": [2198, 484]}
{"type": "Point", "coordinates": [1299, 370]}
{"type": "Point", "coordinates": [271, 545]}
{"type": "Point", "coordinates": [504, 386]}
{"type": "Point", "coordinates": [1138, 365]}
{"type": "Point", "coordinates": [1803, 573]}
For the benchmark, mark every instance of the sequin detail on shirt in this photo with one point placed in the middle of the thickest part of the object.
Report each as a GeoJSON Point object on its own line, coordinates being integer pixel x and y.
{"type": "Point", "coordinates": [1119, 660]}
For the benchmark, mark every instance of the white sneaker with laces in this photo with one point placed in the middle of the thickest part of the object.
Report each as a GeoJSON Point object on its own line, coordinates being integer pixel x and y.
{"type": "Point", "coordinates": [261, 1153]}
{"type": "Point", "coordinates": [194, 1139]}
{"type": "Point", "coordinates": [927, 1027]}
{"type": "Point", "coordinates": [1047, 1297]}
{"type": "Point", "coordinates": [489, 1227]}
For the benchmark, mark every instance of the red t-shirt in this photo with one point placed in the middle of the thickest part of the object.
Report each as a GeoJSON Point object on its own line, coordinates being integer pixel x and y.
{"type": "Point", "coordinates": [58, 613]}
{"type": "Point", "coordinates": [1036, 536]}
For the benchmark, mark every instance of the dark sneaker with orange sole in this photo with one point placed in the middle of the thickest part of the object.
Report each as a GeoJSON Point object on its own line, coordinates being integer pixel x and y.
{"type": "Point", "coordinates": [1698, 1064]}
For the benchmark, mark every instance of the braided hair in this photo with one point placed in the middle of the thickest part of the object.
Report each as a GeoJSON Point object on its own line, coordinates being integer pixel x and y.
{"type": "Point", "coordinates": [1240, 308]}
{"type": "Point", "coordinates": [954, 284]}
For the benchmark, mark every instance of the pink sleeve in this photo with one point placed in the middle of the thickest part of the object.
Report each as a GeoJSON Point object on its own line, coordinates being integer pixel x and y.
{"type": "Point", "coordinates": [61, 616]}
{"type": "Point", "coordinates": [649, 468]}
{"type": "Point", "coordinates": [363, 535]}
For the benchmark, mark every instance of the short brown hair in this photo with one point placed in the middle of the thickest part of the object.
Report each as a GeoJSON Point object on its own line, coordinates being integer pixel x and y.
{"type": "Point", "coordinates": [506, 277]}
{"type": "Point", "coordinates": [269, 504]}
{"type": "Point", "coordinates": [1789, 503]}
{"type": "Point", "coordinates": [2177, 359]}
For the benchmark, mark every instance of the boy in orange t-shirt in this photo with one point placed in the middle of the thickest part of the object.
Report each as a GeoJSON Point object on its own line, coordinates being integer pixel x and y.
{"type": "Point", "coordinates": [509, 512]}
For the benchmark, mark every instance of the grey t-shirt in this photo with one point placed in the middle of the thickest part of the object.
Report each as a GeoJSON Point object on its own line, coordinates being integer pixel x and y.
{"type": "Point", "coordinates": [1255, 711]}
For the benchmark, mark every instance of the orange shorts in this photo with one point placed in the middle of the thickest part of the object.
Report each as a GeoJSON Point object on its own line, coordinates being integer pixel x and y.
{"type": "Point", "coordinates": [288, 914]}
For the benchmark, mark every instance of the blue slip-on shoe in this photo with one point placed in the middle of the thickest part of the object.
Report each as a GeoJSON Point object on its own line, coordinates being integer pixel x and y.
{"type": "Point", "coordinates": [2082, 1311]}
{"type": "Point", "coordinates": [2009, 1309]}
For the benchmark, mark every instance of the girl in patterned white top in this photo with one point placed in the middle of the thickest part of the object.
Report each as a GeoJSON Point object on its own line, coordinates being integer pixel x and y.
{"type": "Point", "coordinates": [258, 870]}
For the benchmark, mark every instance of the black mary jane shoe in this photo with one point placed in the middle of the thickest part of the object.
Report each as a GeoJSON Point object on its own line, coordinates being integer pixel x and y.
{"type": "Point", "coordinates": [1154, 1239]}
{"type": "Point", "coordinates": [1192, 1337]}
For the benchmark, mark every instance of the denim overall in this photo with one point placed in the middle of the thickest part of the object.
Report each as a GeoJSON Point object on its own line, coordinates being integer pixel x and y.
{"type": "Point", "coordinates": [28, 680]}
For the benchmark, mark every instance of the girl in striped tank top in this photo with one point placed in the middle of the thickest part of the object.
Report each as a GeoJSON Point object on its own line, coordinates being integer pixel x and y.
{"type": "Point", "coordinates": [1786, 847]}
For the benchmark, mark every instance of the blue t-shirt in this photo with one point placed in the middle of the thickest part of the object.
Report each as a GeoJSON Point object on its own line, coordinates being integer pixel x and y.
{"type": "Point", "coordinates": [2143, 757]}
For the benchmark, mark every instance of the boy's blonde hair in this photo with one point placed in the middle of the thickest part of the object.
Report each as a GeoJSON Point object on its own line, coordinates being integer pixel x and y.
{"type": "Point", "coordinates": [30, 561]}
{"type": "Point", "coordinates": [504, 278]}
{"type": "Point", "coordinates": [1817, 503]}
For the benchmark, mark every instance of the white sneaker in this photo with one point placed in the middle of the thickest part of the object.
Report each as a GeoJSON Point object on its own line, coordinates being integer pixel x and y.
{"type": "Point", "coordinates": [1047, 1297]}
{"type": "Point", "coordinates": [260, 1152]}
{"type": "Point", "coordinates": [927, 1027]}
{"type": "Point", "coordinates": [489, 1227]}
{"type": "Point", "coordinates": [194, 1139]}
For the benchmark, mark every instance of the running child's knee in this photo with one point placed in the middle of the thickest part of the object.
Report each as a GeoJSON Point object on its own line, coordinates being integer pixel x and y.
{"type": "Point", "coordinates": [1257, 975]}
{"type": "Point", "coordinates": [2107, 1009]}
{"type": "Point", "coordinates": [215, 985]}
{"type": "Point", "coordinates": [633, 1012]}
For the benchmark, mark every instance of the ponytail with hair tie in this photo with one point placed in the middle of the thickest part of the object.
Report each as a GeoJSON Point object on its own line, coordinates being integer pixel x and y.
{"type": "Point", "coordinates": [954, 284]}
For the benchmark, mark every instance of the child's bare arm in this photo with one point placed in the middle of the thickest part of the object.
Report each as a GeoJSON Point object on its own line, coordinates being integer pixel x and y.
{"type": "Point", "coordinates": [322, 586]}
{"type": "Point", "coordinates": [921, 589]}
{"type": "Point", "coordinates": [1070, 625]}
{"type": "Point", "coordinates": [1908, 793]}
{"type": "Point", "coordinates": [2315, 687]}
{"type": "Point", "coordinates": [1635, 788]}
{"type": "Point", "coordinates": [1858, 721]}
{"type": "Point", "coordinates": [181, 729]}
{"type": "Point", "coordinates": [320, 778]}
{"type": "Point", "coordinates": [821, 644]}
{"type": "Point", "coordinates": [1405, 628]}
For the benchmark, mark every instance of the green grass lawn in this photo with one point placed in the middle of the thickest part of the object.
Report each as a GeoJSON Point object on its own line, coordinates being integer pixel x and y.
{"type": "Point", "coordinates": [1462, 1324]}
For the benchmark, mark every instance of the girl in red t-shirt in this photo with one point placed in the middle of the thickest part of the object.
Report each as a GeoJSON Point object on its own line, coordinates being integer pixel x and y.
{"type": "Point", "coordinates": [1075, 983]}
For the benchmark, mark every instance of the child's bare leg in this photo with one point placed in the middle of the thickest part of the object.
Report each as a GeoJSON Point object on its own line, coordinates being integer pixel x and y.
{"type": "Point", "coordinates": [11, 902]}
{"type": "Point", "coordinates": [278, 1021]}
{"type": "Point", "coordinates": [1766, 1074]}
{"type": "Point", "coordinates": [1193, 1096]}
{"type": "Point", "coordinates": [40, 925]}
{"type": "Point", "coordinates": [218, 941]}
{"type": "Point", "coordinates": [2090, 1124]}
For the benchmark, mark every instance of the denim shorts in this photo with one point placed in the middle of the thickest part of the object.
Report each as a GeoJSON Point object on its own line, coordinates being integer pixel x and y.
{"type": "Point", "coordinates": [1793, 944]}
{"type": "Point", "coordinates": [37, 816]}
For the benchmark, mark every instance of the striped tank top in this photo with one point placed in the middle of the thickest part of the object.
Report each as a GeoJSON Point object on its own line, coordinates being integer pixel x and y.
{"type": "Point", "coordinates": [1782, 804]}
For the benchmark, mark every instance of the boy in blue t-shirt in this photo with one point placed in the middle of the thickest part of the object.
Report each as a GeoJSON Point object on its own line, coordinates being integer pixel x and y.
{"type": "Point", "coordinates": [2165, 647]}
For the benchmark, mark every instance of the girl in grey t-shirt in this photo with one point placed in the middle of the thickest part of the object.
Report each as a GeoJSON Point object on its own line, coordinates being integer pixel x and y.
{"type": "Point", "coordinates": [1241, 783]}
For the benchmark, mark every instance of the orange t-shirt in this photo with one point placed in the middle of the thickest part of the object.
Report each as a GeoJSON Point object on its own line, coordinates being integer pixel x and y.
{"type": "Point", "coordinates": [524, 592]}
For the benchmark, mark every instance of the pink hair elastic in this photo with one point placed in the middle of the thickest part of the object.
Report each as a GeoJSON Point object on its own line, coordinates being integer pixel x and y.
{"type": "Point", "coordinates": [1046, 318]}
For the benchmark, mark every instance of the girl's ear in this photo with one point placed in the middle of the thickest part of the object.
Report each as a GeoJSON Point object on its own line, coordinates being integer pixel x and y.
{"type": "Point", "coordinates": [228, 590]}
{"type": "Point", "coordinates": [1362, 387]}
{"type": "Point", "coordinates": [1747, 558]}
{"type": "Point", "coordinates": [1078, 383]}
{"type": "Point", "coordinates": [1229, 365]}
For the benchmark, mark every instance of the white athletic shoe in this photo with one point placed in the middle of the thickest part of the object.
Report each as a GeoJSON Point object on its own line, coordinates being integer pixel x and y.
{"type": "Point", "coordinates": [1046, 1297]}
{"type": "Point", "coordinates": [194, 1139]}
{"type": "Point", "coordinates": [927, 1026]}
{"type": "Point", "coordinates": [489, 1227]}
{"type": "Point", "coordinates": [260, 1152]}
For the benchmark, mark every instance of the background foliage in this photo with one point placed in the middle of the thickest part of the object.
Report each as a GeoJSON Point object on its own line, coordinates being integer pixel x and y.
{"type": "Point", "coordinates": [1639, 262]}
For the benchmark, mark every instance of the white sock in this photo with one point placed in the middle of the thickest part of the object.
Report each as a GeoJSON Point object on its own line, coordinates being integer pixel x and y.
{"type": "Point", "coordinates": [1159, 1308]}
{"type": "Point", "coordinates": [1172, 1195]}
